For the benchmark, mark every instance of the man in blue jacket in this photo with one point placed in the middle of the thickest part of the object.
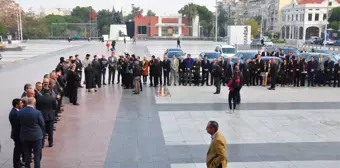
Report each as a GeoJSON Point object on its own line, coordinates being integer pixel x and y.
{"type": "Point", "coordinates": [31, 132]}
{"type": "Point", "coordinates": [15, 133]}
{"type": "Point", "coordinates": [188, 63]}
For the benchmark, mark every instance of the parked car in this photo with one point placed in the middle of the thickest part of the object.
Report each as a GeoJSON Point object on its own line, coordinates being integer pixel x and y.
{"type": "Point", "coordinates": [246, 54]}
{"type": "Point", "coordinates": [308, 56]}
{"type": "Point", "coordinates": [329, 42]}
{"type": "Point", "coordinates": [295, 51]}
{"type": "Point", "coordinates": [172, 49]}
{"type": "Point", "coordinates": [313, 40]}
{"type": "Point", "coordinates": [176, 53]}
{"type": "Point", "coordinates": [226, 50]}
{"type": "Point", "coordinates": [211, 55]}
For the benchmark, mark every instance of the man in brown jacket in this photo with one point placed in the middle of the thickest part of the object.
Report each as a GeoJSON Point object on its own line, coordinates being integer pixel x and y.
{"type": "Point", "coordinates": [217, 153]}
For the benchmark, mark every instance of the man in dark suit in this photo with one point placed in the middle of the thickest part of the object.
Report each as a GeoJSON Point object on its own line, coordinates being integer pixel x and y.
{"type": "Point", "coordinates": [246, 72]}
{"type": "Point", "coordinates": [97, 71]}
{"type": "Point", "coordinates": [38, 89]}
{"type": "Point", "coordinates": [47, 105]}
{"type": "Point", "coordinates": [329, 65]}
{"type": "Point", "coordinates": [188, 63]}
{"type": "Point", "coordinates": [31, 132]}
{"type": "Point", "coordinates": [273, 71]}
{"type": "Point", "coordinates": [259, 69]}
{"type": "Point", "coordinates": [275, 53]}
{"type": "Point", "coordinates": [157, 71]}
{"type": "Point", "coordinates": [298, 69]}
{"type": "Point", "coordinates": [181, 71]}
{"type": "Point", "coordinates": [337, 74]}
{"type": "Point", "coordinates": [26, 87]}
{"type": "Point", "coordinates": [217, 73]}
{"type": "Point", "coordinates": [311, 67]}
{"type": "Point", "coordinates": [15, 133]}
{"type": "Point", "coordinates": [79, 68]}
{"type": "Point", "coordinates": [72, 85]}
{"type": "Point", "coordinates": [265, 53]}
{"type": "Point", "coordinates": [166, 70]}
{"type": "Point", "coordinates": [205, 70]}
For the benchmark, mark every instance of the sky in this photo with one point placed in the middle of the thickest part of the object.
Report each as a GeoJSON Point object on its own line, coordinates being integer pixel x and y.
{"type": "Point", "coordinates": [160, 7]}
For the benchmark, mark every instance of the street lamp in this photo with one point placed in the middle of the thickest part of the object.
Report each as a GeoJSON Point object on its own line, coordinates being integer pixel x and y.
{"type": "Point", "coordinates": [327, 17]}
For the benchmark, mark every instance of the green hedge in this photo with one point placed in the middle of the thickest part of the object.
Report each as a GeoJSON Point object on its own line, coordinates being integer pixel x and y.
{"type": "Point", "coordinates": [278, 41]}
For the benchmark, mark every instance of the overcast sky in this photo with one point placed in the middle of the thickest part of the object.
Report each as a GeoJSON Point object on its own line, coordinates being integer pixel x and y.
{"type": "Point", "coordinates": [160, 7]}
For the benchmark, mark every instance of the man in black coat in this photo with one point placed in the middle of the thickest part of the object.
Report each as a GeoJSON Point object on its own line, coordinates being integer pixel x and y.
{"type": "Point", "coordinates": [79, 69]}
{"type": "Point", "coordinates": [273, 71]}
{"type": "Point", "coordinates": [259, 70]}
{"type": "Point", "coordinates": [97, 71]}
{"type": "Point", "coordinates": [15, 133]}
{"type": "Point", "coordinates": [217, 73]}
{"type": "Point", "coordinates": [47, 105]}
{"type": "Point", "coordinates": [72, 85]}
{"type": "Point", "coordinates": [298, 69]}
{"type": "Point", "coordinates": [166, 70]}
{"type": "Point", "coordinates": [157, 69]}
{"type": "Point", "coordinates": [181, 70]}
{"type": "Point", "coordinates": [151, 70]}
{"type": "Point", "coordinates": [205, 70]}
{"type": "Point", "coordinates": [337, 74]}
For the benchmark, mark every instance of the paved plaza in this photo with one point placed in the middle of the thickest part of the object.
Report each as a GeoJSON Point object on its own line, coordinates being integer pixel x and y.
{"type": "Point", "coordinates": [285, 128]}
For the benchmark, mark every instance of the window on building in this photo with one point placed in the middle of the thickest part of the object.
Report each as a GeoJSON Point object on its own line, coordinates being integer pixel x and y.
{"type": "Point", "coordinates": [288, 19]}
{"type": "Point", "coordinates": [310, 17]}
{"type": "Point", "coordinates": [324, 16]}
{"type": "Point", "coordinates": [297, 17]}
{"type": "Point", "coordinates": [316, 17]}
{"type": "Point", "coordinates": [141, 30]}
{"type": "Point", "coordinates": [330, 4]}
{"type": "Point", "coordinates": [292, 17]}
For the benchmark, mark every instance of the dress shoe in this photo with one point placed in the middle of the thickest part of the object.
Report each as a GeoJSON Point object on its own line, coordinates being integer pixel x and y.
{"type": "Point", "coordinates": [50, 145]}
{"type": "Point", "coordinates": [271, 88]}
{"type": "Point", "coordinates": [104, 83]}
{"type": "Point", "coordinates": [76, 104]}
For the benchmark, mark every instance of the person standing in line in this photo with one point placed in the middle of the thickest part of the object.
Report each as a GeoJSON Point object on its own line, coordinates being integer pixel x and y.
{"type": "Point", "coordinates": [217, 152]}
{"type": "Point", "coordinates": [217, 74]}
{"type": "Point", "coordinates": [113, 61]}
{"type": "Point", "coordinates": [273, 72]}
{"type": "Point", "coordinates": [72, 80]}
{"type": "Point", "coordinates": [124, 40]}
{"type": "Point", "coordinates": [97, 71]}
{"type": "Point", "coordinates": [121, 62]}
{"type": "Point", "coordinates": [174, 71]}
{"type": "Point", "coordinates": [152, 71]}
{"type": "Point", "coordinates": [15, 133]}
{"type": "Point", "coordinates": [79, 69]}
{"type": "Point", "coordinates": [181, 72]}
{"type": "Point", "coordinates": [311, 67]}
{"type": "Point", "coordinates": [196, 69]}
{"type": "Point", "coordinates": [89, 78]}
{"type": "Point", "coordinates": [136, 77]}
{"type": "Point", "coordinates": [47, 105]}
{"type": "Point", "coordinates": [205, 70]}
{"type": "Point", "coordinates": [189, 62]}
{"type": "Point", "coordinates": [104, 64]}
{"type": "Point", "coordinates": [166, 70]}
{"type": "Point", "coordinates": [26, 88]}
{"type": "Point", "coordinates": [145, 70]}
{"type": "Point", "coordinates": [234, 85]}
{"type": "Point", "coordinates": [32, 126]}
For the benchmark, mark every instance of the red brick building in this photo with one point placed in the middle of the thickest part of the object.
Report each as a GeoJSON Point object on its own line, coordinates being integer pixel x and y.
{"type": "Point", "coordinates": [149, 26]}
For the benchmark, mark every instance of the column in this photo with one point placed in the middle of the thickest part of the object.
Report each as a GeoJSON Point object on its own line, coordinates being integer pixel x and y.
{"type": "Point", "coordinates": [304, 33]}
{"type": "Point", "coordinates": [159, 27]}
{"type": "Point", "coordinates": [180, 26]}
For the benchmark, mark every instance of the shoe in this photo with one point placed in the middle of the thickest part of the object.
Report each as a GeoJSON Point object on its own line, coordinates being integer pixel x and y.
{"type": "Point", "coordinates": [271, 88]}
{"type": "Point", "coordinates": [215, 93]}
{"type": "Point", "coordinates": [104, 83]}
{"type": "Point", "coordinates": [233, 110]}
{"type": "Point", "coordinates": [117, 82]}
{"type": "Point", "coordinates": [175, 85]}
{"type": "Point", "coordinates": [95, 90]}
{"type": "Point", "coordinates": [50, 145]}
{"type": "Point", "coordinates": [76, 104]}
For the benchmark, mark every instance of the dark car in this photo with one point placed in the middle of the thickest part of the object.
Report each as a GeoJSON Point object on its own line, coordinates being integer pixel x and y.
{"type": "Point", "coordinates": [176, 53]}
{"type": "Point", "coordinates": [172, 50]}
{"type": "Point", "coordinates": [246, 54]}
{"type": "Point", "coordinates": [211, 55]}
{"type": "Point", "coordinates": [295, 51]}
{"type": "Point", "coordinates": [308, 56]}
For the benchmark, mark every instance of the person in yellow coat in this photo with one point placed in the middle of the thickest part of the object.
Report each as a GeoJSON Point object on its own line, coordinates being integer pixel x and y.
{"type": "Point", "coordinates": [217, 153]}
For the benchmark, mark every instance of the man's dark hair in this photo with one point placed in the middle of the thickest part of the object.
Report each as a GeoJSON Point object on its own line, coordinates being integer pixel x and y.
{"type": "Point", "coordinates": [153, 56]}
{"type": "Point", "coordinates": [46, 75]}
{"type": "Point", "coordinates": [189, 55]}
{"type": "Point", "coordinates": [88, 55]}
{"type": "Point", "coordinates": [213, 124]}
{"type": "Point", "coordinates": [15, 102]}
{"type": "Point", "coordinates": [76, 55]}
{"type": "Point", "coordinates": [70, 57]}
{"type": "Point", "coordinates": [38, 83]}
{"type": "Point", "coordinates": [205, 56]}
{"type": "Point", "coordinates": [27, 86]}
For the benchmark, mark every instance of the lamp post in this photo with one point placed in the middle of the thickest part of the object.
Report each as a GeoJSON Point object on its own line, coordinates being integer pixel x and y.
{"type": "Point", "coordinates": [327, 17]}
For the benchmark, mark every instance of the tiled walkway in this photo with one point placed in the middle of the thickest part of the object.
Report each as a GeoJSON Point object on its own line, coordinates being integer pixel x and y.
{"type": "Point", "coordinates": [288, 127]}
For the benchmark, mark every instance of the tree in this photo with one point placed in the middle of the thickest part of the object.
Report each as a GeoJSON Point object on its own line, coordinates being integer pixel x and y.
{"type": "Point", "coordinates": [34, 26]}
{"type": "Point", "coordinates": [335, 25]}
{"type": "Point", "coordinates": [190, 11]}
{"type": "Point", "coordinates": [150, 13]}
{"type": "Point", "coordinates": [8, 15]}
{"type": "Point", "coordinates": [254, 26]}
{"type": "Point", "coordinates": [104, 20]}
{"type": "Point", "coordinates": [223, 19]}
{"type": "Point", "coordinates": [2, 29]}
{"type": "Point", "coordinates": [335, 15]}
{"type": "Point", "coordinates": [82, 13]}
{"type": "Point", "coordinates": [134, 12]}
{"type": "Point", "coordinates": [206, 18]}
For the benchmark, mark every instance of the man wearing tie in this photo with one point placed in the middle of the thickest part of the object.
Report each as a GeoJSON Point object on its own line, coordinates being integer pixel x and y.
{"type": "Point", "coordinates": [15, 133]}
{"type": "Point", "coordinates": [265, 53]}
{"type": "Point", "coordinates": [297, 69]}
{"type": "Point", "coordinates": [337, 74]}
{"type": "Point", "coordinates": [275, 53]}
{"type": "Point", "coordinates": [79, 68]}
{"type": "Point", "coordinates": [329, 65]}
{"type": "Point", "coordinates": [217, 152]}
{"type": "Point", "coordinates": [311, 71]}
{"type": "Point", "coordinates": [166, 70]}
{"type": "Point", "coordinates": [174, 70]}
{"type": "Point", "coordinates": [188, 63]}
{"type": "Point", "coordinates": [205, 70]}
{"type": "Point", "coordinates": [260, 70]}
{"type": "Point", "coordinates": [32, 126]}
{"type": "Point", "coordinates": [273, 71]}
{"type": "Point", "coordinates": [112, 67]}
{"type": "Point", "coordinates": [320, 76]}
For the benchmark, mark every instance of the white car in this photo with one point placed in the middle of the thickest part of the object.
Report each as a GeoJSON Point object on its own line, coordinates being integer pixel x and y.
{"type": "Point", "coordinates": [226, 50]}
{"type": "Point", "coordinates": [329, 42]}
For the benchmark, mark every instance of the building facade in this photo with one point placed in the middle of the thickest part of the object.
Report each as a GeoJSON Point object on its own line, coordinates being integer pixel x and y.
{"type": "Point", "coordinates": [165, 26]}
{"type": "Point", "coordinates": [305, 18]}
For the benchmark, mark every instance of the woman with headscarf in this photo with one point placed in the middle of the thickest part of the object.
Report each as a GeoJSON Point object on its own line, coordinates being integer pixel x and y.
{"type": "Point", "coordinates": [89, 77]}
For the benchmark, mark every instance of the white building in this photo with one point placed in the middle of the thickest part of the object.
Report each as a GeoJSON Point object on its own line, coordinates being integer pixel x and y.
{"type": "Point", "coordinates": [305, 18]}
{"type": "Point", "coordinates": [58, 11]}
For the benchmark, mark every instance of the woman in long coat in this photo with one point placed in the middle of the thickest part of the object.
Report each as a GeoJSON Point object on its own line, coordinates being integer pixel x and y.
{"type": "Point", "coordinates": [89, 77]}
{"type": "Point", "coordinates": [145, 71]}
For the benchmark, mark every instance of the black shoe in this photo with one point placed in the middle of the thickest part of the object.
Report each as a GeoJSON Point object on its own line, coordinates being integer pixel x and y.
{"type": "Point", "coordinates": [175, 85]}
{"type": "Point", "coordinates": [76, 104]}
{"type": "Point", "coordinates": [50, 145]}
{"type": "Point", "coordinates": [271, 88]}
{"type": "Point", "coordinates": [104, 83]}
{"type": "Point", "coordinates": [117, 82]}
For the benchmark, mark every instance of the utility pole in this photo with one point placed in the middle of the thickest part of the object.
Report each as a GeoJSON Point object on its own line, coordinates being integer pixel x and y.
{"type": "Point", "coordinates": [21, 37]}
{"type": "Point", "coordinates": [216, 20]}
